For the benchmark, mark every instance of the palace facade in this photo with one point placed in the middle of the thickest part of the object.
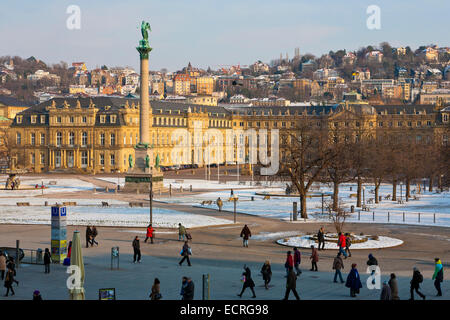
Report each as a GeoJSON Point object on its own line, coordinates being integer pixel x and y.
{"type": "Point", "coordinates": [98, 134]}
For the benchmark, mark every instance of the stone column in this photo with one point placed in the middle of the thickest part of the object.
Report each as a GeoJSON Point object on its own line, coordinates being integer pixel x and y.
{"type": "Point", "coordinates": [144, 113]}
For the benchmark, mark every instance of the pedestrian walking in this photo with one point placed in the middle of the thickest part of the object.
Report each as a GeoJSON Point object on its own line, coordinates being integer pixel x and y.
{"type": "Point", "coordinates": [394, 287]}
{"type": "Point", "coordinates": [416, 280]}
{"type": "Point", "coordinates": [266, 272]}
{"type": "Point", "coordinates": [321, 238]}
{"type": "Point", "coordinates": [47, 260]}
{"type": "Point", "coordinates": [136, 250]}
{"type": "Point", "coordinates": [338, 265]}
{"type": "Point", "coordinates": [297, 261]}
{"type": "Point", "coordinates": [94, 235]}
{"type": "Point", "coordinates": [438, 276]}
{"type": "Point", "coordinates": [348, 243]}
{"type": "Point", "coordinates": [155, 294]}
{"type": "Point", "coordinates": [181, 232]}
{"type": "Point", "coordinates": [291, 284]}
{"type": "Point", "coordinates": [342, 244]}
{"type": "Point", "coordinates": [9, 279]}
{"type": "Point", "coordinates": [37, 296]}
{"type": "Point", "coordinates": [2, 265]}
{"type": "Point", "coordinates": [248, 282]}
{"type": "Point", "coordinates": [372, 262]}
{"type": "Point", "coordinates": [386, 293]}
{"type": "Point", "coordinates": [11, 265]}
{"type": "Point", "coordinates": [245, 235]}
{"type": "Point", "coordinates": [88, 236]}
{"type": "Point", "coordinates": [314, 258]}
{"type": "Point", "coordinates": [150, 232]}
{"type": "Point", "coordinates": [187, 289]}
{"type": "Point", "coordinates": [289, 262]}
{"type": "Point", "coordinates": [185, 252]}
{"type": "Point", "coordinates": [219, 203]}
{"type": "Point", "coordinates": [353, 281]}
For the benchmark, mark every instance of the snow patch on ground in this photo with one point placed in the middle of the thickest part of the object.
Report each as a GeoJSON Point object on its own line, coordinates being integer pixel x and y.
{"type": "Point", "coordinates": [306, 242]}
{"type": "Point", "coordinates": [274, 235]}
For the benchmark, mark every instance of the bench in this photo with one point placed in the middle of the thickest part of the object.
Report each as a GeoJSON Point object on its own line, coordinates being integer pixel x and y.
{"type": "Point", "coordinates": [136, 204]}
{"type": "Point", "coordinates": [52, 183]}
{"type": "Point", "coordinates": [365, 208]}
{"type": "Point", "coordinates": [105, 204]}
{"type": "Point", "coordinates": [266, 197]}
{"type": "Point", "coordinates": [69, 203]}
{"type": "Point", "coordinates": [353, 195]}
{"type": "Point", "coordinates": [23, 204]}
{"type": "Point", "coordinates": [179, 181]}
{"type": "Point", "coordinates": [388, 197]}
{"type": "Point", "coordinates": [242, 183]}
{"type": "Point", "coordinates": [400, 201]}
{"type": "Point", "coordinates": [416, 198]}
{"type": "Point", "coordinates": [371, 200]}
{"type": "Point", "coordinates": [206, 202]}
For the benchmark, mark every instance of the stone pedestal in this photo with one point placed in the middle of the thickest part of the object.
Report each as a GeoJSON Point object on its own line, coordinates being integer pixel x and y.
{"type": "Point", "coordinates": [138, 178]}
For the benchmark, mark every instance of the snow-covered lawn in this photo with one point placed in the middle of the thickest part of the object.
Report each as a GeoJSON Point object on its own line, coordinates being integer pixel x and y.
{"type": "Point", "coordinates": [62, 185]}
{"type": "Point", "coordinates": [109, 216]}
{"type": "Point", "coordinates": [434, 208]}
{"type": "Point", "coordinates": [306, 242]}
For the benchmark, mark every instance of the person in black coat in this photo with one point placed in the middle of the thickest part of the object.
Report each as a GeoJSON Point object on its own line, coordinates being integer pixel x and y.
{"type": "Point", "coordinates": [94, 235]}
{"type": "Point", "coordinates": [266, 272]}
{"type": "Point", "coordinates": [136, 250]}
{"type": "Point", "coordinates": [47, 261]}
{"type": "Point", "coordinates": [415, 284]}
{"type": "Point", "coordinates": [187, 289]}
{"type": "Point", "coordinates": [291, 284]}
{"type": "Point", "coordinates": [37, 296]}
{"type": "Point", "coordinates": [372, 262]}
{"type": "Point", "coordinates": [88, 236]}
{"type": "Point", "coordinates": [321, 238]}
{"type": "Point", "coordinates": [248, 282]}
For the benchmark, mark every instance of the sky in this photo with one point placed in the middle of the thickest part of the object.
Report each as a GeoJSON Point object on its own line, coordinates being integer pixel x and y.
{"type": "Point", "coordinates": [211, 32]}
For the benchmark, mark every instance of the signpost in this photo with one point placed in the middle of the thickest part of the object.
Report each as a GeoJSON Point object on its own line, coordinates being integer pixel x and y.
{"type": "Point", "coordinates": [59, 233]}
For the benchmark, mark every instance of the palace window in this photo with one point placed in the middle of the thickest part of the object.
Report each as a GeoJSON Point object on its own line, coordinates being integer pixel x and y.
{"type": "Point", "coordinates": [84, 139]}
{"type": "Point", "coordinates": [42, 119]}
{"type": "Point", "coordinates": [84, 119]}
{"type": "Point", "coordinates": [71, 119]}
{"type": "Point", "coordinates": [102, 139]}
{"type": "Point", "coordinates": [113, 159]}
{"type": "Point", "coordinates": [33, 158]}
{"type": "Point", "coordinates": [409, 124]}
{"type": "Point", "coordinates": [58, 139]}
{"type": "Point", "coordinates": [33, 139]}
{"type": "Point", "coordinates": [19, 119]}
{"type": "Point", "coordinates": [113, 139]}
{"type": "Point", "coordinates": [429, 123]}
{"type": "Point", "coordinates": [102, 159]}
{"type": "Point", "coordinates": [102, 119]}
{"type": "Point", "coordinates": [112, 118]}
{"type": "Point", "coordinates": [33, 119]}
{"type": "Point", "coordinates": [419, 123]}
{"type": "Point", "coordinates": [380, 124]}
{"type": "Point", "coordinates": [42, 158]}
{"type": "Point", "coordinates": [42, 139]}
{"type": "Point", "coordinates": [84, 158]}
{"type": "Point", "coordinates": [71, 138]}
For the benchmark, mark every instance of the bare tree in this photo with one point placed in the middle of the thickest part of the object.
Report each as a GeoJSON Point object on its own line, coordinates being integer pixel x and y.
{"type": "Point", "coordinates": [308, 155]}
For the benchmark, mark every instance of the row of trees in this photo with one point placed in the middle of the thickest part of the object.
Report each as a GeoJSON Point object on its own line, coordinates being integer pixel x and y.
{"type": "Point", "coordinates": [317, 154]}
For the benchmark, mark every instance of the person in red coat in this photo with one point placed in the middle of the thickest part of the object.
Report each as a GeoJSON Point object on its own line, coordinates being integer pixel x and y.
{"type": "Point", "coordinates": [150, 231]}
{"type": "Point", "coordinates": [342, 244]}
{"type": "Point", "coordinates": [289, 262]}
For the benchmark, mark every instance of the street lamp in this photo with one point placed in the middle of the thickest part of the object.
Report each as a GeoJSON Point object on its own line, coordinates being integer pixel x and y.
{"type": "Point", "coordinates": [151, 199]}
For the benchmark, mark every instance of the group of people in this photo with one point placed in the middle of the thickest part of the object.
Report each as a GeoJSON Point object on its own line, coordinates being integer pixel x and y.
{"type": "Point", "coordinates": [91, 234]}
{"type": "Point", "coordinates": [8, 273]}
